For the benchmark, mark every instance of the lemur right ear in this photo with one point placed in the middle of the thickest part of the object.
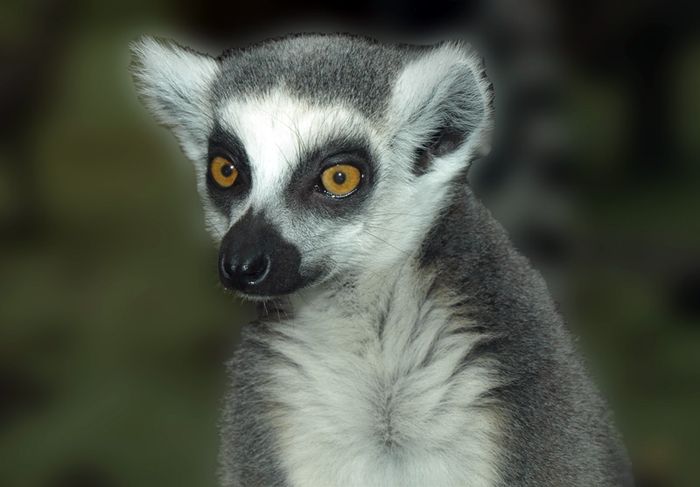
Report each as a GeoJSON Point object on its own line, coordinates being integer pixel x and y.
{"type": "Point", "coordinates": [440, 104]}
{"type": "Point", "coordinates": [174, 83]}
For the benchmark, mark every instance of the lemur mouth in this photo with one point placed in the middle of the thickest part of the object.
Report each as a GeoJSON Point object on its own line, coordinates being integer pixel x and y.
{"type": "Point", "coordinates": [276, 291]}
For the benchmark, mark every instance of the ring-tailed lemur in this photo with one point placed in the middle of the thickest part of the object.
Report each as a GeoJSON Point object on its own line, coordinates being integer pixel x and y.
{"type": "Point", "coordinates": [409, 344]}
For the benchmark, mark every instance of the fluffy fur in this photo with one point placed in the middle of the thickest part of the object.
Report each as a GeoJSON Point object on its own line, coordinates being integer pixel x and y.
{"type": "Point", "coordinates": [422, 350]}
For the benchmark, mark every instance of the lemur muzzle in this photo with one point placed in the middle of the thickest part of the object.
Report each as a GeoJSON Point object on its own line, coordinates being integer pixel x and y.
{"type": "Point", "coordinates": [255, 259]}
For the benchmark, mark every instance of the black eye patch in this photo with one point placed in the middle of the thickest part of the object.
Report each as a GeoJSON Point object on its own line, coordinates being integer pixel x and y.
{"type": "Point", "coordinates": [223, 143]}
{"type": "Point", "coordinates": [305, 188]}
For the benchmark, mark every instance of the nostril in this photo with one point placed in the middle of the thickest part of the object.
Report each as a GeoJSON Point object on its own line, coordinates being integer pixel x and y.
{"type": "Point", "coordinates": [255, 269]}
{"type": "Point", "coordinates": [227, 268]}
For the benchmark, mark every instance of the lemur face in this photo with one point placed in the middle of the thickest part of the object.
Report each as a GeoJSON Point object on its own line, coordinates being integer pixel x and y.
{"type": "Point", "coordinates": [318, 158]}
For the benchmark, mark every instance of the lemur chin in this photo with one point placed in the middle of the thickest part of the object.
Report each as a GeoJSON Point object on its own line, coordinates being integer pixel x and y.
{"type": "Point", "coordinates": [413, 346]}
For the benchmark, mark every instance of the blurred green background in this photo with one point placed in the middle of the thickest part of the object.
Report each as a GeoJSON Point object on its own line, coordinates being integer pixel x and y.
{"type": "Point", "coordinates": [114, 330]}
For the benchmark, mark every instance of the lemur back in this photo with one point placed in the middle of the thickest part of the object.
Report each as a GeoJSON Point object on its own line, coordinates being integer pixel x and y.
{"type": "Point", "coordinates": [403, 341]}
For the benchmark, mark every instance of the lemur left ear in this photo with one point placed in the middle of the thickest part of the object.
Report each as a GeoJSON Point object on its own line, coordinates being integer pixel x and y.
{"type": "Point", "coordinates": [441, 103]}
{"type": "Point", "coordinates": [174, 82]}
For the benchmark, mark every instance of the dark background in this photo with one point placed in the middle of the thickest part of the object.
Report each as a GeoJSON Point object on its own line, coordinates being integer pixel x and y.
{"type": "Point", "coordinates": [113, 329]}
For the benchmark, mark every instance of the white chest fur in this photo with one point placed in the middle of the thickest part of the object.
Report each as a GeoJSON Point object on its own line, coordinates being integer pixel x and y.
{"type": "Point", "coordinates": [385, 399]}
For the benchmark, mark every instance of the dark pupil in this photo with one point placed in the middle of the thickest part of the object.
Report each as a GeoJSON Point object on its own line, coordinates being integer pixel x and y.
{"type": "Point", "coordinates": [226, 170]}
{"type": "Point", "coordinates": [339, 177]}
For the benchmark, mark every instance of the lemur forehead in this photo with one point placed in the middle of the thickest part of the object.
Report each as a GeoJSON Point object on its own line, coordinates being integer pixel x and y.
{"type": "Point", "coordinates": [355, 71]}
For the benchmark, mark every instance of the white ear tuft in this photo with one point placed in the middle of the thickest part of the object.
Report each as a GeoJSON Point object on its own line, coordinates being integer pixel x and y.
{"type": "Point", "coordinates": [444, 88]}
{"type": "Point", "coordinates": [175, 84]}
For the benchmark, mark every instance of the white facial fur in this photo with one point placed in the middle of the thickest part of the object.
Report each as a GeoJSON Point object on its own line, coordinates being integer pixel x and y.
{"type": "Point", "coordinates": [274, 130]}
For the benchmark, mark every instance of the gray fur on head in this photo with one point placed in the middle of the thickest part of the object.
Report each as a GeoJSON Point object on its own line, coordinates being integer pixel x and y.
{"type": "Point", "coordinates": [408, 343]}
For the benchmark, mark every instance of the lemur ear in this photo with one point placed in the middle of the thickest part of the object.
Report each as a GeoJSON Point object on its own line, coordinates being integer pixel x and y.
{"type": "Point", "coordinates": [174, 83]}
{"type": "Point", "coordinates": [441, 103]}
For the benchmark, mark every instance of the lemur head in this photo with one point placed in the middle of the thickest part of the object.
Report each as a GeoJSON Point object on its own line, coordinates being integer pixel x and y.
{"type": "Point", "coordinates": [318, 157]}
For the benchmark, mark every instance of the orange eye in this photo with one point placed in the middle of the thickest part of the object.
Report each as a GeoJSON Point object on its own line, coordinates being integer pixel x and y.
{"type": "Point", "coordinates": [341, 179]}
{"type": "Point", "coordinates": [223, 172]}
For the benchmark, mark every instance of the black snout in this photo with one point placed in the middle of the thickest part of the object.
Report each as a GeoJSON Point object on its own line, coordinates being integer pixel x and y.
{"type": "Point", "coordinates": [256, 260]}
